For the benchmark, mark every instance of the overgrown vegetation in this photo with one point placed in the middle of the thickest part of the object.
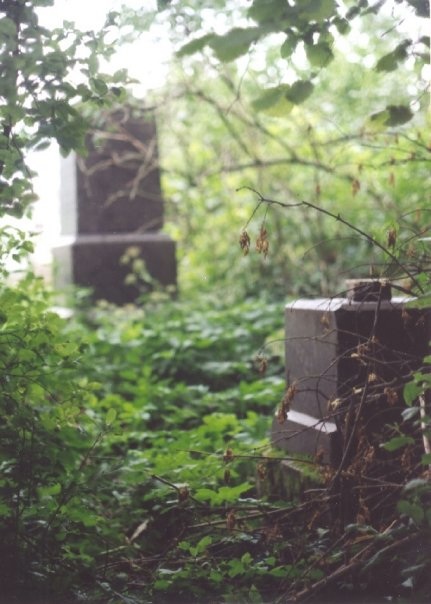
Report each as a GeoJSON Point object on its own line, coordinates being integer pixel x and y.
{"type": "Point", "coordinates": [134, 452]}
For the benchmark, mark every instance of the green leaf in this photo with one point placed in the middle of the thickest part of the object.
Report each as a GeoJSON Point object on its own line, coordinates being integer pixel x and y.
{"type": "Point", "coordinates": [194, 45]}
{"type": "Point", "coordinates": [235, 43]}
{"type": "Point", "coordinates": [420, 302]}
{"type": "Point", "coordinates": [393, 115]}
{"type": "Point", "coordinates": [342, 25]}
{"type": "Point", "coordinates": [426, 459]}
{"type": "Point", "coordinates": [390, 61]}
{"type": "Point", "coordinates": [319, 55]}
{"type": "Point", "coordinates": [300, 91]}
{"type": "Point", "coordinates": [205, 495]}
{"type": "Point", "coordinates": [398, 114]}
{"type": "Point", "coordinates": [274, 101]}
{"type": "Point", "coordinates": [5, 510]}
{"type": "Point", "coordinates": [231, 494]}
{"type": "Point", "coordinates": [267, 10]}
{"type": "Point", "coordinates": [7, 27]}
{"type": "Point", "coordinates": [397, 443]}
{"type": "Point", "coordinates": [99, 86]}
{"type": "Point", "coordinates": [55, 489]}
{"type": "Point", "coordinates": [413, 510]}
{"type": "Point", "coordinates": [201, 546]}
{"type": "Point", "coordinates": [110, 416]}
{"type": "Point", "coordinates": [411, 391]}
{"type": "Point", "coordinates": [317, 10]}
{"type": "Point", "coordinates": [288, 46]}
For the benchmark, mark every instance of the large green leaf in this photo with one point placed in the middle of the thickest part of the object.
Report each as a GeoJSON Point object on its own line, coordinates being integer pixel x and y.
{"type": "Point", "coordinates": [288, 46]}
{"type": "Point", "coordinates": [393, 115]}
{"type": "Point", "coordinates": [320, 54]}
{"type": "Point", "coordinates": [317, 10]}
{"type": "Point", "coordinates": [235, 43]}
{"type": "Point", "coordinates": [390, 61]}
{"type": "Point", "coordinates": [300, 91]}
{"type": "Point", "coordinates": [274, 101]}
{"type": "Point", "coordinates": [7, 27]}
{"type": "Point", "coordinates": [398, 114]}
{"type": "Point", "coordinates": [267, 10]}
{"type": "Point", "coordinates": [195, 45]}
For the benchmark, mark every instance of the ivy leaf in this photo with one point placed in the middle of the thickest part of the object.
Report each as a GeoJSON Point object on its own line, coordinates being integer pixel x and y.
{"type": "Point", "coordinates": [319, 55]}
{"type": "Point", "coordinates": [235, 43]}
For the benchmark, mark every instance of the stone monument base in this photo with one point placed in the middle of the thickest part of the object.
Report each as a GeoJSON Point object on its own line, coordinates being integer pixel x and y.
{"type": "Point", "coordinates": [94, 261]}
{"type": "Point", "coordinates": [301, 433]}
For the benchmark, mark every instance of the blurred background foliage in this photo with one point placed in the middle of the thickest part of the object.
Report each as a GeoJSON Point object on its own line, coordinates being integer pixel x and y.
{"type": "Point", "coordinates": [338, 148]}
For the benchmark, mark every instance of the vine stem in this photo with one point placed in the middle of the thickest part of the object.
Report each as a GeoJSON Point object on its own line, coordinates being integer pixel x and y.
{"type": "Point", "coordinates": [338, 218]}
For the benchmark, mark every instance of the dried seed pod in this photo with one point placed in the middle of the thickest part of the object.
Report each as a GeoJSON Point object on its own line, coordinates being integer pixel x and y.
{"type": "Point", "coordinates": [244, 242]}
{"type": "Point", "coordinates": [356, 186]}
{"type": "Point", "coordinates": [392, 237]}
{"type": "Point", "coordinates": [230, 520]}
{"type": "Point", "coordinates": [262, 243]}
{"type": "Point", "coordinates": [261, 471]}
{"type": "Point", "coordinates": [228, 456]}
{"type": "Point", "coordinates": [183, 494]}
{"type": "Point", "coordinates": [262, 363]}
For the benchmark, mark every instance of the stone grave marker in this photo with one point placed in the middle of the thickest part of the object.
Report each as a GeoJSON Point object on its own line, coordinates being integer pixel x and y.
{"type": "Point", "coordinates": [111, 201]}
{"type": "Point", "coordinates": [327, 344]}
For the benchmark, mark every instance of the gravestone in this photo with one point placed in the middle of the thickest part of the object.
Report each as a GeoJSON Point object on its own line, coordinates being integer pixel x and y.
{"type": "Point", "coordinates": [333, 346]}
{"type": "Point", "coordinates": [111, 202]}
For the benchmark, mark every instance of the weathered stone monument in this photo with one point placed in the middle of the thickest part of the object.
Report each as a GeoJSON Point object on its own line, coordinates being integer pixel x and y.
{"type": "Point", "coordinates": [334, 349]}
{"type": "Point", "coordinates": [111, 201]}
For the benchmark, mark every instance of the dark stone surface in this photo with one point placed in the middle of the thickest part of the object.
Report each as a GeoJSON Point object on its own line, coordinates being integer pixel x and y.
{"type": "Point", "coordinates": [111, 200]}
{"type": "Point", "coordinates": [326, 344]}
{"type": "Point", "coordinates": [94, 261]}
{"type": "Point", "coordinates": [118, 183]}
{"type": "Point", "coordinates": [322, 337]}
{"type": "Point", "coordinates": [301, 433]}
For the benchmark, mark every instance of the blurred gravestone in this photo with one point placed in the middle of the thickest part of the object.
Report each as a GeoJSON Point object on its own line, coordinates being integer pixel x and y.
{"type": "Point", "coordinates": [111, 203]}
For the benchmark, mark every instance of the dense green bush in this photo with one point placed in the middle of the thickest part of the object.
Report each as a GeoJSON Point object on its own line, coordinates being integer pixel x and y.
{"type": "Point", "coordinates": [103, 426]}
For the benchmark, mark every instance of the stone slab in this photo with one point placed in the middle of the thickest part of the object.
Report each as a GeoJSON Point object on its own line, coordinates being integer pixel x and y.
{"type": "Point", "coordinates": [322, 337]}
{"type": "Point", "coordinates": [94, 261]}
{"type": "Point", "coordinates": [116, 187]}
{"type": "Point", "coordinates": [304, 434]}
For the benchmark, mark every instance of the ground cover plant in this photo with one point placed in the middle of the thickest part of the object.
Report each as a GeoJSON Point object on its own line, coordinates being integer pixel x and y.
{"type": "Point", "coordinates": [147, 481]}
